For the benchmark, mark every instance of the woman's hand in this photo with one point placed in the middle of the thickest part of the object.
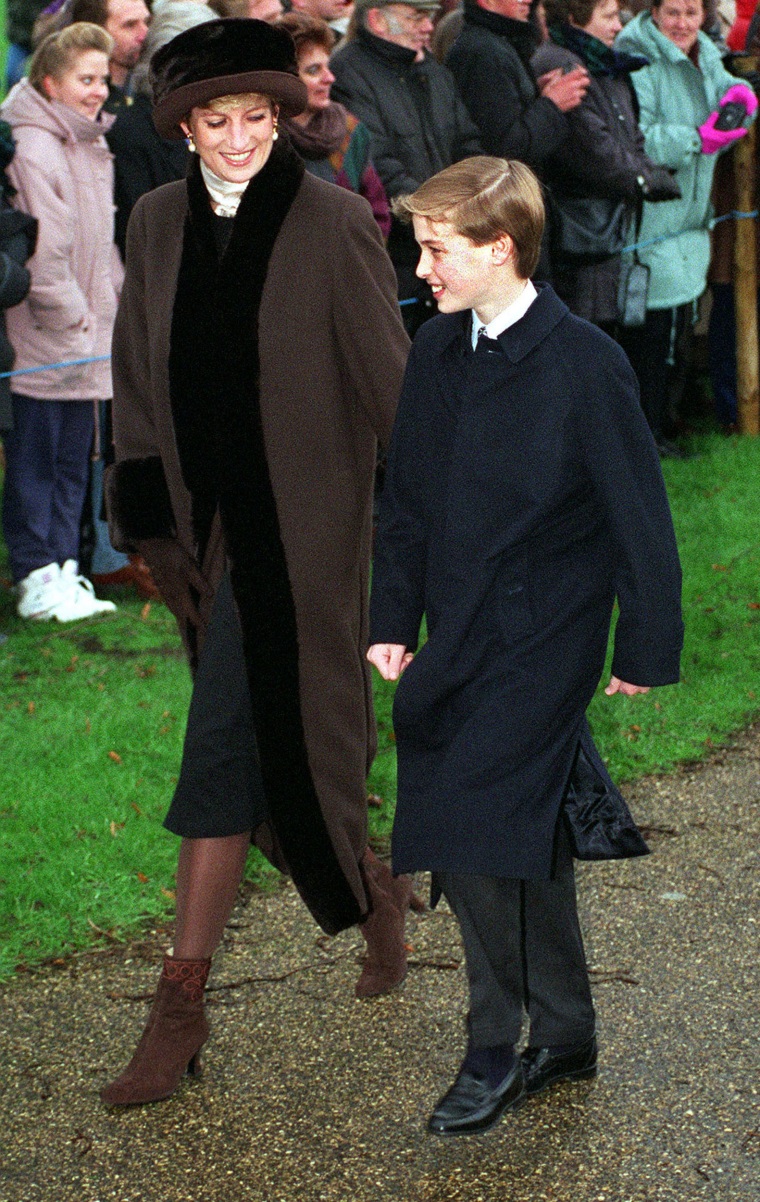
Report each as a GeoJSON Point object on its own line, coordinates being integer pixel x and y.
{"type": "Point", "coordinates": [566, 90]}
{"type": "Point", "coordinates": [390, 659]}
{"type": "Point", "coordinates": [178, 578]}
{"type": "Point", "coordinates": [621, 686]}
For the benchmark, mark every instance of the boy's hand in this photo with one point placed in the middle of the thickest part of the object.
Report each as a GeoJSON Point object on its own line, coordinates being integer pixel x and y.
{"type": "Point", "coordinates": [390, 659]}
{"type": "Point", "coordinates": [621, 686]}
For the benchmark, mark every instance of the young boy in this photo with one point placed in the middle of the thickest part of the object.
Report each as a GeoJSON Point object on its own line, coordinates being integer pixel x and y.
{"type": "Point", "coordinates": [523, 496]}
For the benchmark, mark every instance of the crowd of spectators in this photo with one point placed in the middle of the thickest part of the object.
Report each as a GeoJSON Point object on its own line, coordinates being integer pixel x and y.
{"type": "Point", "coordinates": [622, 115]}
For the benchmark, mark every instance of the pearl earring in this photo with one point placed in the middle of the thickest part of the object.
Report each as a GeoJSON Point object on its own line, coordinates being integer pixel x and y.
{"type": "Point", "coordinates": [275, 134]}
{"type": "Point", "coordinates": [190, 144]}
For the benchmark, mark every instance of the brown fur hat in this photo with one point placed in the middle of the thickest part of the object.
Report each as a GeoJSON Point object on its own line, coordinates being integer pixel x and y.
{"type": "Point", "coordinates": [223, 58]}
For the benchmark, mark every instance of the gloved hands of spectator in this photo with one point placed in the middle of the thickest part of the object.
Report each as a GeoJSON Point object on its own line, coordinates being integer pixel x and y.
{"type": "Point", "coordinates": [714, 139]}
{"type": "Point", "coordinates": [565, 89]}
{"type": "Point", "coordinates": [659, 183]}
{"type": "Point", "coordinates": [743, 94]}
{"type": "Point", "coordinates": [177, 576]}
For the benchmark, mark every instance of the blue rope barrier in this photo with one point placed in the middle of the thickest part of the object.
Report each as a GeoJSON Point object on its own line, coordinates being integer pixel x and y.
{"type": "Point", "coordinates": [28, 371]}
{"type": "Point", "coordinates": [735, 215]}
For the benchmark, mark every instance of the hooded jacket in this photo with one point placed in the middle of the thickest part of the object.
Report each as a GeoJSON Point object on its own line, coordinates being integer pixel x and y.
{"type": "Point", "coordinates": [63, 174]}
{"type": "Point", "coordinates": [675, 98]}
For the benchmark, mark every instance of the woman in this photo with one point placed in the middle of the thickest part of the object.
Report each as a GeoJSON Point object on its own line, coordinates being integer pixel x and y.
{"type": "Point", "coordinates": [63, 175]}
{"type": "Point", "coordinates": [680, 95]}
{"type": "Point", "coordinates": [258, 354]}
{"type": "Point", "coordinates": [332, 142]}
{"type": "Point", "coordinates": [602, 169]}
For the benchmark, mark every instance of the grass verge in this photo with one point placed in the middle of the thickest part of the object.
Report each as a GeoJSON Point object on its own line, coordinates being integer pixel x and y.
{"type": "Point", "coordinates": [92, 717]}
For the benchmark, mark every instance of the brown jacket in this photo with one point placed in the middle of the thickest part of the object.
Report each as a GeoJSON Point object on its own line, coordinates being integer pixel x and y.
{"type": "Point", "coordinates": [304, 302]}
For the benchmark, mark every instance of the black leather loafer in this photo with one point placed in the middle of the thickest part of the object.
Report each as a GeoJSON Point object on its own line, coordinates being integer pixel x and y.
{"type": "Point", "coordinates": [473, 1104]}
{"type": "Point", "coordinates": [542, 1067]}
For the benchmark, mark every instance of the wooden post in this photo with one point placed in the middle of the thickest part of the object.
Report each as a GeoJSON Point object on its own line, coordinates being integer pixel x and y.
{"type": "Point", "coordinates": [745, 284]}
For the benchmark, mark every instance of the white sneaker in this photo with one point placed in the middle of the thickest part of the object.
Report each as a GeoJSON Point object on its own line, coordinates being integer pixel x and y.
{"type": "Point", "coordinates": [39, 593]}
{"type": "Point", "coordinates": [77, 596]}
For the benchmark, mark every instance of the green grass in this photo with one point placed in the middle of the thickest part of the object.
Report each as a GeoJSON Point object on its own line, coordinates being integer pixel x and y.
{"type": "Point", "coordinates": [3, 47]}
{"type": "Point", "coordinates": [92, 718]}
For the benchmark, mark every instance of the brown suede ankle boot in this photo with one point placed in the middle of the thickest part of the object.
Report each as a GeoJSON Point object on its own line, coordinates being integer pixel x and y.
{"type": "Point", "coordinates": [390, 898]}
{"type": "Point", "coordinates": [174, 1034]}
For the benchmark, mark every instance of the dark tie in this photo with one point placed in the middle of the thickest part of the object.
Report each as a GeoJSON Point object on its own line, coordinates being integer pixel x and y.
{"type": "Point", "coordinates": [486, 345]}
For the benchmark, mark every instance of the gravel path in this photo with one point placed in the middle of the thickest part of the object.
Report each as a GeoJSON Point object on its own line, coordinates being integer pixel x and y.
{"type": "Point", "coordinates": [309, 1095]}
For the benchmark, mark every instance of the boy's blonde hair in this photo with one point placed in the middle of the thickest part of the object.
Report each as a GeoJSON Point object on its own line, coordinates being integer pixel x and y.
{"type": "Point", "coordinates": [483, 198]}
{"type": "Point", "coordinates": [59, 51]}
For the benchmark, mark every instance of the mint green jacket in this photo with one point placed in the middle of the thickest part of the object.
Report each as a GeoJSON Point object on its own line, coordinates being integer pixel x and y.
{"type": "Point", "coordinates": [675, 97]}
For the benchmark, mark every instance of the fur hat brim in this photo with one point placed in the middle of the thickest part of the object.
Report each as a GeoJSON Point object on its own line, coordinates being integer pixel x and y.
{"type": "Point", "coordinates": [230, 57]}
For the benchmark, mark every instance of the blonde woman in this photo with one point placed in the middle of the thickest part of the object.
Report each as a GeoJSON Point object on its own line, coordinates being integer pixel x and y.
{"type": "Point", "coordinates": [63, 175]}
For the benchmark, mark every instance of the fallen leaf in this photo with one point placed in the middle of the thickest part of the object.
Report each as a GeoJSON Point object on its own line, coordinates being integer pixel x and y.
{"type": "Point", "coordinates": [87, 726]}
{"type": "Point", "coordinates": [142, 878]}
{"type": "Point", "coordinates": [636, 728]}
{"type": "Point", "coordinates": [145, 611]}
{"type": "Point", "coordinates": [114, 827]}
{"type": "Point", "coordinates": [754, 605]}
{"type": "Point", "coordinates": [114, 755]}
{"type": "Point", "coordinates": [169, 893]}
{"type": "Point", "coordinates": [719, 567]}
{"type": "Point", "coordinates": [373, 799]}
{"type": "Point", "coordinates": [72, 664]}
{"type": "Point", "coordinates": [135, 807]}
{"type": "Point", "coordinates": [30, 708]}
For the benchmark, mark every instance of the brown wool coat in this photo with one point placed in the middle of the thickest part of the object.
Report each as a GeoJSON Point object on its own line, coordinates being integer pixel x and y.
{"type": "Point", "coordinates": [331, 353]}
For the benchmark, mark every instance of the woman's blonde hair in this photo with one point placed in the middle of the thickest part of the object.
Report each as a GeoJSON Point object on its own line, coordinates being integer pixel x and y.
{"type": "Point", "coordinates": [248, 100]}
{"type": "Point", "coordinates": [58, 52]}
{"type": "Point", "coordinates": [484, 198]}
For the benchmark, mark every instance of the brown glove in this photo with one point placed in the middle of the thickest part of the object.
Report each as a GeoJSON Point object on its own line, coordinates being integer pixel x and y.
{"type": "Point", "coordinates": [177, 576]}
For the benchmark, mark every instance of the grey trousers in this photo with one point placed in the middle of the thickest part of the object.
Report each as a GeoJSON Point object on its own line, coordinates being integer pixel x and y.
{"type": "Point", "coordinates": [524, 951]}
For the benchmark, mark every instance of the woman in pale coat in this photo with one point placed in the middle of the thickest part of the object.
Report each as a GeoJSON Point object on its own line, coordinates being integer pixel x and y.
{"type": "Point", "coordinates": [63, 175]}
{"type": "Point", "coordinates": [680, 96]}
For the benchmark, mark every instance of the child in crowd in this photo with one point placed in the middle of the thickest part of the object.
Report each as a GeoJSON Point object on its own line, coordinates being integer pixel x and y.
{"type": "Point", "coordinates": [523, 498]}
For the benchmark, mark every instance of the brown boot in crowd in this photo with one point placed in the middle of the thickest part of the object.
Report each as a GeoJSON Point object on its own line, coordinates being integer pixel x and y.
{"type": "Point", "coordinates": [384, 929]}
{"type": "Point", "coordinates": [171, 1042]}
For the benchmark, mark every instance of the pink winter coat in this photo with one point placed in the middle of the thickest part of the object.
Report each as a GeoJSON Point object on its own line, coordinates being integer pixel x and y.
{"type": "Point", "coordinates": [63, 172]}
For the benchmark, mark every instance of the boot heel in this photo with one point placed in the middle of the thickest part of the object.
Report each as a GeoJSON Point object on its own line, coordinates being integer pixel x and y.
{"type": "Point", "coordinates": [195, 1068]}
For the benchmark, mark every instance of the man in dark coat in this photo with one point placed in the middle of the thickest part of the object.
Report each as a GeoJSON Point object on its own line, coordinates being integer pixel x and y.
{"type": "Point", "coordinates": [490, 60]}
{"type": "Point", "coordinates": [523, 496]}
{"type": "Point", "coordinates": [386, 77]}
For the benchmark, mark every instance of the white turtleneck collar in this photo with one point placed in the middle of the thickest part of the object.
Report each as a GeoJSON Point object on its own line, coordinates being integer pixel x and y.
{"type": "Point", "coordinates": [225, 195]}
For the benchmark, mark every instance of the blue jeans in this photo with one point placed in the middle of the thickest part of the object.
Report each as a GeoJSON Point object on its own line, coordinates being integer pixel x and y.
{"type": "Point", "coordinates": [47, 463]}
{"type": "Point", "coordinates": [104, 558]}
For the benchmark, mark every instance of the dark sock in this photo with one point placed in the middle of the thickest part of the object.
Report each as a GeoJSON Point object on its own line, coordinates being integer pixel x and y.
{"type": "Point", "coordinates": [562, 1049]}
{"type": "Point", "coordinates": [494, 1063]}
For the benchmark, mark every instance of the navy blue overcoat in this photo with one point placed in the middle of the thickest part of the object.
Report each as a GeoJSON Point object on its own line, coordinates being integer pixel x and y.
{"type": "Point", "coordinates": [523, 495]}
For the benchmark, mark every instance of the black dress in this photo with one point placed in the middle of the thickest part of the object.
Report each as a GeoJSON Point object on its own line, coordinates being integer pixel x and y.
{"type": "Point", "coordinates": [220, 790]}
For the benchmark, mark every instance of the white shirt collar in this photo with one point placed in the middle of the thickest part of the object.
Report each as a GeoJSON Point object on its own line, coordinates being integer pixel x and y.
{"type": "Point", "coordinates": [507, 317]}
